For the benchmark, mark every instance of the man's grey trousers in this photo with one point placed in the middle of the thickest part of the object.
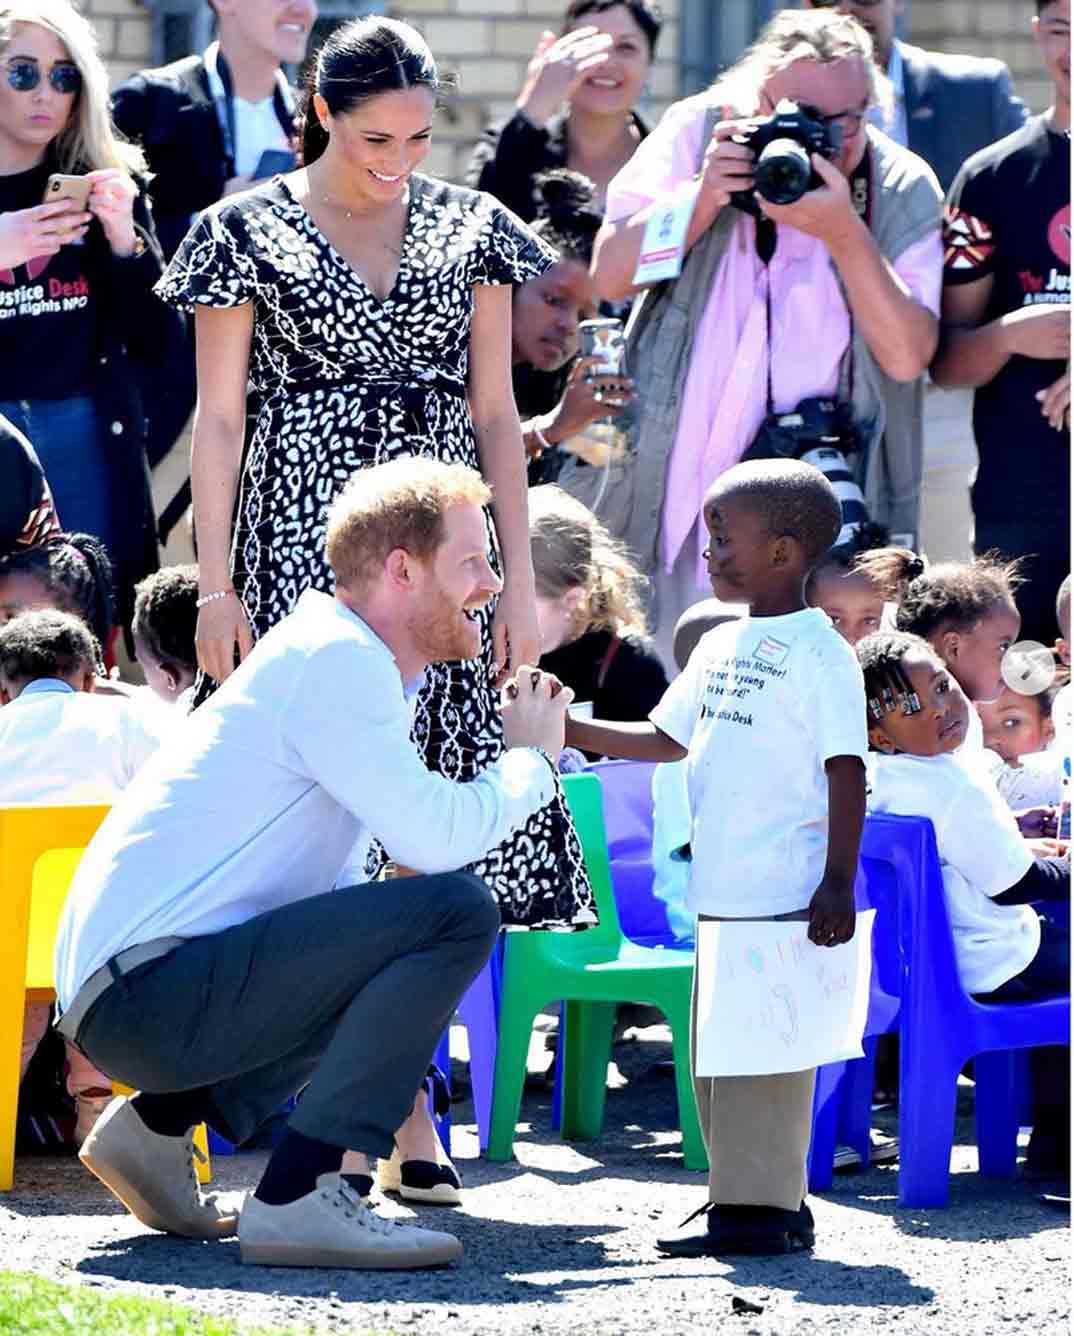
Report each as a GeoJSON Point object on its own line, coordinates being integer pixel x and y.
{"type": "Point", "coordinates": [348, 991]}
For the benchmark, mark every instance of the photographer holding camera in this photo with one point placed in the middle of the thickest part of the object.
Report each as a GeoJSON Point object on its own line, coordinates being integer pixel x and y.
{"type": "Point", "coordinates": [805, 310]}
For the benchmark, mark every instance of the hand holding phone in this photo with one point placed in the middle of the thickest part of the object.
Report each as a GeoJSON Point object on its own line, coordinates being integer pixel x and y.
{"type": "Point", "coordinates": [75, 189]}
{"type": "Point", "coordinates": [28, 234]}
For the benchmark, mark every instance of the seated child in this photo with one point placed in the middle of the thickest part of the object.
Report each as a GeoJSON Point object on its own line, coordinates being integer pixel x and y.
{"type": "Point", "coordinates": [589, 609]}
{"type": "Point", "coordinates": [70, 572]}
{"type": "Point", "coordinates": [164, 626]}
{"type": "Point", "coordinates": [1018, 727]}
{"type": "Point", "coordinates": [61, 743]}
{"type": "Point", "coordinates": [966, 611]}
{"type": "Point", "coordinates": [917, 718]}
{"type": "Point", "coordinates": [671, 799]}
{"type": "Point", "coordinates": [853, 585]}
{"type": "Point", "coordinates": [770, 714]}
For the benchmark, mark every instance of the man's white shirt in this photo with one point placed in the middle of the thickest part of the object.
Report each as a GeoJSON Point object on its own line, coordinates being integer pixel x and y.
{"type": "Point", "coordinates": [301, 753]}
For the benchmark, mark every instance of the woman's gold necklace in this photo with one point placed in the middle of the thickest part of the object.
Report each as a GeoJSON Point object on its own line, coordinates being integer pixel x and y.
{"type": "Point", "coordinates": [348, 214]}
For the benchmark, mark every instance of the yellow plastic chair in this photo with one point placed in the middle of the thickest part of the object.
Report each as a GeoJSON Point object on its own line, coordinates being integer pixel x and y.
{"type": "Point", "coordinates": [40, 848]}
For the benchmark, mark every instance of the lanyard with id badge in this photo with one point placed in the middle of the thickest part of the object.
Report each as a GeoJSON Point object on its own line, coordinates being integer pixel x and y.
{"type": "Point", "coordinates": [663, 244]}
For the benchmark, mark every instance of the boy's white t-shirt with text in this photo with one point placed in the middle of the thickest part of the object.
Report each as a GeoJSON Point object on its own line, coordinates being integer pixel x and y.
{"type": "Point", "coordinates": [763, 703]}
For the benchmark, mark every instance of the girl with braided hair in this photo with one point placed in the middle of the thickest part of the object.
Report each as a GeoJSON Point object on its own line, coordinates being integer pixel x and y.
{"type": "Point", "coordinates": [70, 572]}
{"type": "Point", "coordinates": [966, 612]}
{"type": "Point", "coordinates": [994, 880]}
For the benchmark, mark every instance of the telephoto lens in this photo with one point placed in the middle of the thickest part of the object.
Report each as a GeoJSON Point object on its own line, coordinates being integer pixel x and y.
{"type": "Point", "coordinates": [833, 464]}
{"type": "Point", "coordinates": [783, 172]}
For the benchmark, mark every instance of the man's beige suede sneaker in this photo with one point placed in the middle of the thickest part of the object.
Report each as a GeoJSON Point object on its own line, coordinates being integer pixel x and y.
{"type": "Point", "coordinates": [333, 1226]}
{"type": "Point", "coordinates": [154, 1178]}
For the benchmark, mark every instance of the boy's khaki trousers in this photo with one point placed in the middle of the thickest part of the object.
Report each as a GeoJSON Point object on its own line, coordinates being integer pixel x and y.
{"type": "Point", "coordinates": [756, 1128]}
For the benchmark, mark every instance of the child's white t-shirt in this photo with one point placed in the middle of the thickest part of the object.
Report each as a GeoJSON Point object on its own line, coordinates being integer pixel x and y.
{"type": "Point", "coordinates": [982, 853]}
{"type": "Point", "coordinates": [62, 746]}
{"type": "Point", "coordinates": [763, 703]}
{"type": "Point", "coordinates": [1037, 781]}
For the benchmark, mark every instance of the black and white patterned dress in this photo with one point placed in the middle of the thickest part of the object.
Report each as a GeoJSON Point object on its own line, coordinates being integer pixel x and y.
{"type": "Point", "coordinates": [346, 380]}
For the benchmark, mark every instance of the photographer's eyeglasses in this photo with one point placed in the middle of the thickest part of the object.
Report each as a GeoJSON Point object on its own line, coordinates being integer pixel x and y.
{"type": "Point", "coordinates": [848, 121]}
{"type": "Point", "coordinates": [25, 75]}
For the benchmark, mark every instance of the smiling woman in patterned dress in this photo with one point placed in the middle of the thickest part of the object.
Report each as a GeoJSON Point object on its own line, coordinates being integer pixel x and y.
{"type": "Point", "coordinates": [369, 306]}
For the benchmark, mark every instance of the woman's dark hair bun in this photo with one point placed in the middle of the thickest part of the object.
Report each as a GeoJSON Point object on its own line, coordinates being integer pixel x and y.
{"type": "Point", "coordinates": [567, 217]}
{"type": "Point", "coordinates": [563, 193]}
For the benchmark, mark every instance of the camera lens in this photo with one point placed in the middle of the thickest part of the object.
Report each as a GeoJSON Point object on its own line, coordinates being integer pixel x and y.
{"type": "Point", "coordinates": [783, 172]}
{"type": "Point", "coordinates": [833, 464]}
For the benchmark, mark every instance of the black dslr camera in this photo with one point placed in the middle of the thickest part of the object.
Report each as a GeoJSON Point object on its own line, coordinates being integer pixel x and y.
{"type": "Point", "coordinates": [820, 432]}
{"type": "Point", "coordinates": [783, 145]}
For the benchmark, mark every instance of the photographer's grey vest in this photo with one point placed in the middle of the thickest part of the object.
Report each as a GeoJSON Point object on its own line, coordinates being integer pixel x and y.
{"type": "Point", "coordinates": [905, 208]}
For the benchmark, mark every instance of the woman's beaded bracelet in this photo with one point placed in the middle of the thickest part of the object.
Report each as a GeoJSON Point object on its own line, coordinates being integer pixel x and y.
{"type": "Point", "coordinates": [211, 598]}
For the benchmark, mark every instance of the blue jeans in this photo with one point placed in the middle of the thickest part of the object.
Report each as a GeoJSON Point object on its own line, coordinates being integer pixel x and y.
{"type": "Point", "coordinates": [66, 433]}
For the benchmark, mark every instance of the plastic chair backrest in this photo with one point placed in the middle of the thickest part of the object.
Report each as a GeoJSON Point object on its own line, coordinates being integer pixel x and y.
{"type": "Point", "coordinates": [926, 942]}
{"type": "Point", "coordinates": [26, 833]}
{"type": "Point", "coordinates": [52, 876]}
{"type": "Point", "coordinates": [584, 798]}
{"type": "Point", "coordinates": [878, 888]}
{"type": "Point", "coordinates": [628, 818]}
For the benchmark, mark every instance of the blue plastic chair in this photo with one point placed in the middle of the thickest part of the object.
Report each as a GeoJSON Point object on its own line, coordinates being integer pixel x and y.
{"type": "Point", "coordinates": [942, 1027]}
{"type": "Point", "coordinates": [842, 1103]}
{"type": "Point", "coordinates": [479, 1011]}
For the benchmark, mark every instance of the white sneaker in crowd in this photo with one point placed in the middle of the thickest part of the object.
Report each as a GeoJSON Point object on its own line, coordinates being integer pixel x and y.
{"type": "Point", "coordinates": [333, 1226]}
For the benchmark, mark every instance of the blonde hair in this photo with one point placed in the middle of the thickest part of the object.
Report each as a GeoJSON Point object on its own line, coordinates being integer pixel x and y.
{"type": "Point", "coordinates": [400, 504]}
{"type": "Point", "coordinates": [571, 549]}
{"type": "Point", "coordinates": [823, 35]}
{"type": "Point", "coordinates": [89, 140]}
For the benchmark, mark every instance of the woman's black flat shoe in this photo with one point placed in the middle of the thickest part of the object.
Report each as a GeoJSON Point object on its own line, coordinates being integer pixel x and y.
{"type": "Point", "coordinates": [419, 1180]}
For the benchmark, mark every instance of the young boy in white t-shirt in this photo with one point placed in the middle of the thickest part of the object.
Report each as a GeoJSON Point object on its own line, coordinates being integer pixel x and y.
{"type": "Point", "coordinates": [770, 715]}
{"type": "Point", "coordinates": [60, 743]}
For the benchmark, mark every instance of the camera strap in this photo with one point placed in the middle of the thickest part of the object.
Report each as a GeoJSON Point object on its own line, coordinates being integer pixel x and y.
{"type": "Point", "coordinates": [861, 196]}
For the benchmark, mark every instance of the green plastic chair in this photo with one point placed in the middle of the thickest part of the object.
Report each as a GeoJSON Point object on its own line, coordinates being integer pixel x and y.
{"type": "Point", "coordinates": [591, 972]}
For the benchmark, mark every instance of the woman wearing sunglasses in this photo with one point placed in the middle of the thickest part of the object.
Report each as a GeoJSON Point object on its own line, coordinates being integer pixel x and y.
{"type": "Point", "coordinates": [76, 279]}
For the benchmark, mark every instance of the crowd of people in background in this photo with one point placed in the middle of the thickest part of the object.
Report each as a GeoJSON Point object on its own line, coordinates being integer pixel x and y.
{"type": "Point", "coordinates": [445, 551]}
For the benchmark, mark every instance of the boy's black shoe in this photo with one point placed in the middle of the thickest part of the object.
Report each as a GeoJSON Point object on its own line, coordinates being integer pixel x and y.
{"type": "Point", "coordinates": [759, 1231]}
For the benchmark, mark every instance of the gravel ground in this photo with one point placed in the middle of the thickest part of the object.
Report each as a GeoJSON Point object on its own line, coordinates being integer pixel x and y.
{"type": "Point", "coordinates": [561, 1241]}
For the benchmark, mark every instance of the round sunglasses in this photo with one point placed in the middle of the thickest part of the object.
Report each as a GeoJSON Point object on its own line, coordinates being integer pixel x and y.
{"type": "Point", "coordinates": [25, 75]}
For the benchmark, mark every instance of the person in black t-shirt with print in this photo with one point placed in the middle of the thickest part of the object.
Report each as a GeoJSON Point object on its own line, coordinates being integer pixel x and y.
{"type": "Point", "coordinates": [1006, 313]}
{"type": "Point", "coordinates": [76, 283]}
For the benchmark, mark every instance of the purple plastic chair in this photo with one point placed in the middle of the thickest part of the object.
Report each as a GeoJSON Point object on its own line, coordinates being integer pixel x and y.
{"type": "Point", "coordinates": [942, 1027]}
{"type": "Point", "coordinates": [627, 789]}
